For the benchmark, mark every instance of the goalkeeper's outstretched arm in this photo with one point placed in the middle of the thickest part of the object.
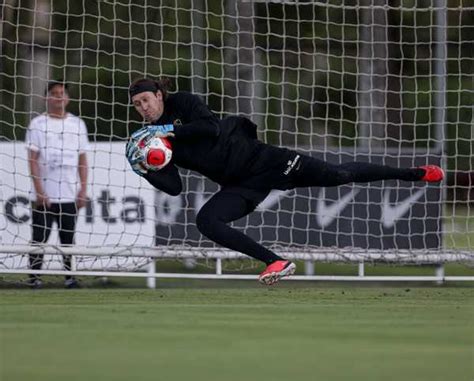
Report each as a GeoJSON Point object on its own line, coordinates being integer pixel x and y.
{"type": "Point", "coordinates": [167, 180]}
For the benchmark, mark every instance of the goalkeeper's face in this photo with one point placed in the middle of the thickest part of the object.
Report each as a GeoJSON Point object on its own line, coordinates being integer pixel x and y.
{"type": "Point", "coordinates": [149, 105]}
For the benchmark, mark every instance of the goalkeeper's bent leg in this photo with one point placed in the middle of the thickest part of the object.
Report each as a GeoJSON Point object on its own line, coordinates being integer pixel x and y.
{"type": "Point", "coordinates": [225, 207]}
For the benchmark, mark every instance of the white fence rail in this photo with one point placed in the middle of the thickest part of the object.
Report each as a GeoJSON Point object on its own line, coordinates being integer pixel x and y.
{"type": "Point", "coordinates": [142, 262]}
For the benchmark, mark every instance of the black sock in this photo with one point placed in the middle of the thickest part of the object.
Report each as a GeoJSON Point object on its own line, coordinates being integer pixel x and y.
{"type": "Point", "coordinates": [315, 172]}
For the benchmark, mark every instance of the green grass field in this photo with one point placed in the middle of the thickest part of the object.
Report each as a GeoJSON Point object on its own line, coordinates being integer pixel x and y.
{"type": "Point", "coordinates": [289, 332]}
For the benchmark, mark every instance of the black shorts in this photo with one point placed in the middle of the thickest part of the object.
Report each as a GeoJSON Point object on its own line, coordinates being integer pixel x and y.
{"type": "Point", "coordinates": [273, 168]}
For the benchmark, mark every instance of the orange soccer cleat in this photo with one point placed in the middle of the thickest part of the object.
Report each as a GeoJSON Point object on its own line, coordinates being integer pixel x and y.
{"type": "Point", "coordinates": [433, 173]}
{"type": "Point", "coordinates": [277, 270]}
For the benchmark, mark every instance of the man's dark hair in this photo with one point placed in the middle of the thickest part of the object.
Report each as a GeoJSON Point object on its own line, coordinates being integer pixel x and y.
{"type": "Point", "coordinates": [57, 82]}
{"type": "Point", "coordinates": [145, 84]}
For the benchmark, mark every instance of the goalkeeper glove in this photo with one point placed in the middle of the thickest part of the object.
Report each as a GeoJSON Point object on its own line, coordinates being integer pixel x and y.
{"type": "Point", "coordinates": [162, 130]}
{"type": "Point", "coordinates": [138, 140]}
{"type": "Point", "coordinates": [134, 152]}
{"type": "Point", "coordinates": [135, 157]}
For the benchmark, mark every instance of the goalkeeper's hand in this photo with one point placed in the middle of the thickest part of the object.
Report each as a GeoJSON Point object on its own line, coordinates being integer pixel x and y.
{"type": "Point", "coordinates": [134, 152]}
{"type": "Point", "coordinates": [162, 130]}
{"type": "Point", "coordinates": [138, 139]}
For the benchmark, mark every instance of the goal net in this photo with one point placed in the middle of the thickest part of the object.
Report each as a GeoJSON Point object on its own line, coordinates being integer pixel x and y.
{"type": "Point", "coordinates": [375, 81]}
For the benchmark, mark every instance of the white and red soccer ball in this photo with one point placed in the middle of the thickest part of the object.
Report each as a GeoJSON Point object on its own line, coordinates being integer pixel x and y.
{"type": "Point", "coordinates": [158, 153]}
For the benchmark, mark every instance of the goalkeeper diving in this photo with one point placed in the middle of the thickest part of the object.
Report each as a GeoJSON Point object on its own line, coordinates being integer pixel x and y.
{"type": "Point", "coordinates": [228, 152]}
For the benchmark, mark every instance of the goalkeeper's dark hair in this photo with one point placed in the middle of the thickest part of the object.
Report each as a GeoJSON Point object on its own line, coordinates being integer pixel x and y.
{"type": "Point", "coordinates": [145, 84]}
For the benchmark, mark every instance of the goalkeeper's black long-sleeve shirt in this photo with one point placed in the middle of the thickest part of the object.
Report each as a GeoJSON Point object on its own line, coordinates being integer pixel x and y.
{"type": "Point", "coordinates": [226, 151]}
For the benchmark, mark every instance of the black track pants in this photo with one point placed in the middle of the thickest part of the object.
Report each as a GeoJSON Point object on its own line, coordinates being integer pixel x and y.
{"type": "Point", "coordinates": [64, 215]}
{"type": "Point", "coordinates": [230, 204]}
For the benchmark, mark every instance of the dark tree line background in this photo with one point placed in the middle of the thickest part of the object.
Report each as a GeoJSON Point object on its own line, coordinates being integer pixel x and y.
{"type": "Point", "coordinates": [306, 72]}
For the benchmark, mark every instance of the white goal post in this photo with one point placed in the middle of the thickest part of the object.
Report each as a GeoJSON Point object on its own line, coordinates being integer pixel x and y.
{"type": "Point", "coordinates": [355, 80]}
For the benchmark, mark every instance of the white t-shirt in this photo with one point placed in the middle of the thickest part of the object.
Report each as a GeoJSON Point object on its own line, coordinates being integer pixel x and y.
{"type": "Point", "coordinates": [59, 142]}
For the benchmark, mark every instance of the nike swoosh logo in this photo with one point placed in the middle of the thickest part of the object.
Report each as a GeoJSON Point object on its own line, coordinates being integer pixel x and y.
{"type": "Point", "coordinates": [328, 213]}
{"type": "Point", "coordinates": [390, 214]}
{"type": "Point", "coordinates": [272, 199]}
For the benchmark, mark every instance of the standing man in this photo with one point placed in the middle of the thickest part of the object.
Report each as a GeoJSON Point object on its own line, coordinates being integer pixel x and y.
{"type": "Point", "coordinates": [57, 144]}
